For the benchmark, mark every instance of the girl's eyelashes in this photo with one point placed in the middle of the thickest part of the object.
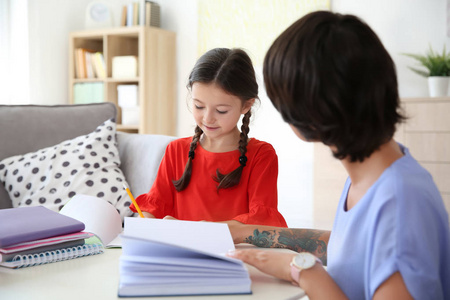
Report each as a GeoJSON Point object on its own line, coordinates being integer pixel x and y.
{"type": "Point", "coordinates": [219, 111]}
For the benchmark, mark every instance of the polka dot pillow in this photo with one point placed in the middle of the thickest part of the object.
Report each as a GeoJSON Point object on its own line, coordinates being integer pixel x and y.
{"type": "Point", "coordinates": [88, 164]}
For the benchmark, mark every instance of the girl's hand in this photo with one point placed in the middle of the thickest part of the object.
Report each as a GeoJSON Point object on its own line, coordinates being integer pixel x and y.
{"type": "Point", "coordinates": [169, 218]}
{"type": "Point", "coordinates": [273, 263]}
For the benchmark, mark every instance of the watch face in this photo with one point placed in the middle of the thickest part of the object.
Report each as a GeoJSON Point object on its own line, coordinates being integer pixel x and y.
{"type": "Point", "coordinates": [305, 260]}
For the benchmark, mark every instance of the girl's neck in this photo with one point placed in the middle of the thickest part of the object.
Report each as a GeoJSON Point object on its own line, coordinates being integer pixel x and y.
{"type": "Point", "coordinates": [364, 174]}
{"type": "Point", "coordinates": [226, 143]}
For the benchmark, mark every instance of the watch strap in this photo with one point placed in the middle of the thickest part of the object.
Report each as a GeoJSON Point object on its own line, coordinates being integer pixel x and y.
{"type": "Point", "coordinates": [295, 272]}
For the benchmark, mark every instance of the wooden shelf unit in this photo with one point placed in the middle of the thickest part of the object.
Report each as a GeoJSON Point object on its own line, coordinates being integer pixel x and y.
{"type": "Point", "coordinates": [427, 135]}
{"type": "Point", "coordinates": [156, 80]}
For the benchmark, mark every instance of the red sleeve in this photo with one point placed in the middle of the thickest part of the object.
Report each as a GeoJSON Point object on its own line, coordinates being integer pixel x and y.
{"type": "Point", "coordinates": [262, 190]}
{"type": "Point", "coordinates": [159, 200]}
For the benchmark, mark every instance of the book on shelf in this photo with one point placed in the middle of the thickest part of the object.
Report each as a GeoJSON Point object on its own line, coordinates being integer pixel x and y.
{"type": "Point", "coordinates": [135, 13]}
{"type": "Point", "coordinates": [130, 8]}
{"type": "Point", "coordinates": [80, 63]}
{"type": "Point", "coordinates": [99, 64]}
{"type": "Point", "coordinates": [141, 12]}
{"type": "Point", "coordinates": [174, 258]}
{"type": "Point", "coordinates": [152, 14]}
{"type": "Point", "coordinates": [89, 64]}
{"type": "Point", "coordinates": [37, 235]}
{"type": "Point", "coordinates": [123, 19]}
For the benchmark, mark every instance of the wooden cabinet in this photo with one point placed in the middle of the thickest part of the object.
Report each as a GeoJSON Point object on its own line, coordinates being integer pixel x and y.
{"type": "Point", "coordinates": [426, 134]}
{"type": "Point", "coordinates": [156, 79]}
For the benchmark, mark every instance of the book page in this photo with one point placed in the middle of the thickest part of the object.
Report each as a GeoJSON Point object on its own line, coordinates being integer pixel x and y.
{"type": "Point", "coordinates": [99, 217]}
{"type": "Point", "coordinates": [201, 236]}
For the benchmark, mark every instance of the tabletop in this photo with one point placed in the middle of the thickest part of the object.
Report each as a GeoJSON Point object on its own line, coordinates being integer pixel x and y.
{"type": "Point", "coordinates": [97, 277]}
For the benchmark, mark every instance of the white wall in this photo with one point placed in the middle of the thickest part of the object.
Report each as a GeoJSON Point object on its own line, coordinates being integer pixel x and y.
{"type": "Point", "coordinates": [50, 22]}
{"type": "Point", "coordinates": [181, 16]}
{"type": "Point", "coordinates": [404, 26]}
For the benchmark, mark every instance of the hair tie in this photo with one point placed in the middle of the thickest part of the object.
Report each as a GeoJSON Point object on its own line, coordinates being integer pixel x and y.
{"type": "Point", "coordinates": [243, 160]}
{"type": "Point", "coordinates": [191, 154]}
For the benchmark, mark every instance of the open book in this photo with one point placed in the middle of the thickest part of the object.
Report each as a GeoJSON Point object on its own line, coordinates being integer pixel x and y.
{"type": "Point", "coordinates": [171, 258]}
{"type": "Point", "coordinates": [98, 216]}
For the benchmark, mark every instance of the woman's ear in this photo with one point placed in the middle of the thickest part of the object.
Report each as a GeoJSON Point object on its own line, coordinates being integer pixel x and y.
{"type": "Point", "coordinates": [247, 106]}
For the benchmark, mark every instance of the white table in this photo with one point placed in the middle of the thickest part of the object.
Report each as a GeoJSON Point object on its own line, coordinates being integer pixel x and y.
{"type": "Point", "coordinates": [97, 277]}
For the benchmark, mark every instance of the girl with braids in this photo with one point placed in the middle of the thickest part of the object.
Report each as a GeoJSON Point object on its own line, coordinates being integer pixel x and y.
{"type": "Point", "coordinates": [219, 174]}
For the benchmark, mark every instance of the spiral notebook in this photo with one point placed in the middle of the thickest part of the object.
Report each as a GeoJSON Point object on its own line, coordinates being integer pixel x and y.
{"type": "Point", "coordinates": [91, 247]}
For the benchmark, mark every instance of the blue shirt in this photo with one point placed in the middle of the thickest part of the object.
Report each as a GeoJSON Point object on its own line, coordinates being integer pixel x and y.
{"type": "Point", "coordinates": [400, 224]}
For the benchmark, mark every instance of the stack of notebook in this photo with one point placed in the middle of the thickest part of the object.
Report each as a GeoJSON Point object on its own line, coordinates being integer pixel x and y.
{"type": "Point", "coordinates": [37, 235]}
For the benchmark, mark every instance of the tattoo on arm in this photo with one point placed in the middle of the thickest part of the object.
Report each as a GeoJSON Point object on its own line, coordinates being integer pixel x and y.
{"type": "Point", "coordinates": [300, 240]}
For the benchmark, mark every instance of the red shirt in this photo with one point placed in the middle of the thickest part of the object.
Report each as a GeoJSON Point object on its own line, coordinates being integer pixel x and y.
{"type": "Point", "coordinates": [252, 201]}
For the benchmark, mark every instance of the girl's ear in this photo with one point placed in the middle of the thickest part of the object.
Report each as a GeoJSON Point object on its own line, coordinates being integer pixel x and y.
{"type": "Point", "coordinates": [247, 106]}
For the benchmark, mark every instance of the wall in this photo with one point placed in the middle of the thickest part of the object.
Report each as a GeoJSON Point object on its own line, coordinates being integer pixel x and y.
{"type": "Point", "coordinates": [50, 22]}
{"type": "Point", "coordinates": [404, 26]}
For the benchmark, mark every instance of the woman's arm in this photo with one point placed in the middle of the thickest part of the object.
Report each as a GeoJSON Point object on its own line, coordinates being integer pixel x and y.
{"type": "Point", "coordinates": [299, 240]}
{"type": "Point", "coordinates": [316, 282]}
{"type": "Point", "coordinates": [393, 288]}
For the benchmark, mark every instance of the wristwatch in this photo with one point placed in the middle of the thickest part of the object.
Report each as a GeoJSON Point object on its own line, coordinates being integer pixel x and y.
{"type": "Point", "coordinates": [302, 261]}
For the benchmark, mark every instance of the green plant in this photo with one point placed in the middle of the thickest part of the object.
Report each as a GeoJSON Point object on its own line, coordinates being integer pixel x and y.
{"type": "Point", "coordinates": [435, 63]}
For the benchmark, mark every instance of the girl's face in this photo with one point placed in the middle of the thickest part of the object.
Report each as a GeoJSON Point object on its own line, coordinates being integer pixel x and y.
{"type": "Point", "coordinates": [215, 111]}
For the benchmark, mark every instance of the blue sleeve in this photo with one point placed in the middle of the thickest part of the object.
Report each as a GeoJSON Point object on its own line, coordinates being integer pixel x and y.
{"type": "Point", "coordinates": [408, 239]}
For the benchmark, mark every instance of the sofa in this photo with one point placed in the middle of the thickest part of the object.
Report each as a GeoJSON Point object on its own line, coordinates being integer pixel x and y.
{"type": "Point", "coordinates": [28, 129]}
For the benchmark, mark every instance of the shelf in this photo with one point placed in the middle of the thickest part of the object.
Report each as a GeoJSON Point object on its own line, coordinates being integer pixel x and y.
{"type": "Point", "coordinates": [155, 50]}
{"type": "Point", "coordinates": [123, 80]}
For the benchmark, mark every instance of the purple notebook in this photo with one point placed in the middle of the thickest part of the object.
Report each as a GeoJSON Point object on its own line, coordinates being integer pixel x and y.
{"type": "Point", "coordinates": [24, 224]}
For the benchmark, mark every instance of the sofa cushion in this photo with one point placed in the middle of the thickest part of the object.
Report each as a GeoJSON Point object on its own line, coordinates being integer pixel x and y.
{"type": "Point", "coordinates": [141, 155]}
{"type": "Point", "coordinates": [88, 164]}
{"type": "Point", "coordinates": [28, 128]}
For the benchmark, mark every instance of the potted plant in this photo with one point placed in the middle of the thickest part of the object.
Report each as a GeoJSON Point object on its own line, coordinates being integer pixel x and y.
{"type": "Point", "coordinates": [437, 70]}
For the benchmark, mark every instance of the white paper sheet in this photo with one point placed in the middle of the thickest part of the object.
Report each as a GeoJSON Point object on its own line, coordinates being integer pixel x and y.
{"type": "Point", "coordinates": [99, 217]}
{"type": "Point", "coordinates": [203, 236]}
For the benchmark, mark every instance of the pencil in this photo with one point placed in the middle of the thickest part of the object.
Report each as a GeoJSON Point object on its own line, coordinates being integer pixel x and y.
{"type": "Point", "coordinates": [133, 200]}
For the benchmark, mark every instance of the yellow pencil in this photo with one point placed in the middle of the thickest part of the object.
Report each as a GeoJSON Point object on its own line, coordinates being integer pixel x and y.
{"type": "Point", "coordinates": [132, 199]}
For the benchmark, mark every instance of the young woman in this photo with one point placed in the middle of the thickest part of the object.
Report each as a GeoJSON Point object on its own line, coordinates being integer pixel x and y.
{"type": "Point", "coordinates": [333, 81]}
{"type": "Point", "coordinates": [219, 174]}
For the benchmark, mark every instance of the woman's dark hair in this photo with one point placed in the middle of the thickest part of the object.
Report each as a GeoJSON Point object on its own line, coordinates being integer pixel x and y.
{"type": "Point", "coordinates": [232, 70]}
{"type": "Point", "coordinates": [331, 78]}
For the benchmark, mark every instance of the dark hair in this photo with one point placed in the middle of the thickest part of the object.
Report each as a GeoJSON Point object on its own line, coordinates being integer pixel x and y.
{"type": "Point", "coordinates": [331, 78]}
{"type": "Point", "coordinates": [233, 71]}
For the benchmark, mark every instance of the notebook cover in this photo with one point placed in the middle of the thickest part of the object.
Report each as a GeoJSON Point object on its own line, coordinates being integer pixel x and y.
{"type": "Point", "coordinates": [26, 224]}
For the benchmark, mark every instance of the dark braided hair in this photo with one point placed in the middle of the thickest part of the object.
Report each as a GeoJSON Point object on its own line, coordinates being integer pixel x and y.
{"type": "Point", "coordinates": [183, 182]}
{"type": "Point", "coordinates": [233, 71]}
{"type": "Point", "coordinates": [232, 178]}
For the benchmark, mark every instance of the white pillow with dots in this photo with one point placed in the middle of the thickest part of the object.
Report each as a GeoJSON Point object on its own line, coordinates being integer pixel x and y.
{"type": "Point", "coordinates": [50, 177]}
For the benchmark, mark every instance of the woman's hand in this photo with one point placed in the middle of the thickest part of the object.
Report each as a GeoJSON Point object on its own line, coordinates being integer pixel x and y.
{"type": "Point", "coordinates": [169, 218]}
{"type": "Point", "coordinates": [273, 263]}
